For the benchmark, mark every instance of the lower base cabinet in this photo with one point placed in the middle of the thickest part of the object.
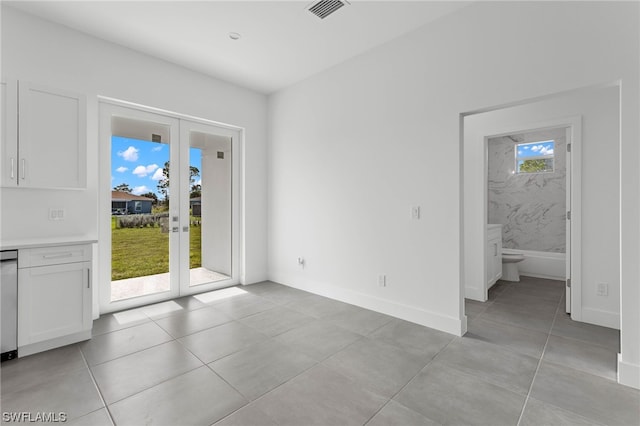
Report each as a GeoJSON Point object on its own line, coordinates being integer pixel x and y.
{"type": "Point", "coordinates": [494, 255]}
{"type": "Point", "coordinates": [54, 297]}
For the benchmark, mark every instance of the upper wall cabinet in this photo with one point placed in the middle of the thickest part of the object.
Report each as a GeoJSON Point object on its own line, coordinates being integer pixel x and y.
{"type": "Point", "coordinates": [44, 137]}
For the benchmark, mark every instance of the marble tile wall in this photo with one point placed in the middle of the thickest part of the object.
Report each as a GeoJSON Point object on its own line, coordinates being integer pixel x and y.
{"type": "Point", "coordinates": [530, 206]}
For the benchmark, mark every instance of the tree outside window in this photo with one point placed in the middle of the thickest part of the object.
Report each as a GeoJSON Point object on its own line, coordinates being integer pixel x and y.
{"type": "Point", "coordinates": [535, 157]}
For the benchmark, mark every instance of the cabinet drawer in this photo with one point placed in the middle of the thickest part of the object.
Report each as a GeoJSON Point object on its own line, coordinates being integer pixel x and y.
{"type": "Point", "coordinates": [54, 255]}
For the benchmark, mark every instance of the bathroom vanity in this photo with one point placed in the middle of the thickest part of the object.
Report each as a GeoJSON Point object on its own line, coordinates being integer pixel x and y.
{"type": "Point", "coordinates": [494, 254]}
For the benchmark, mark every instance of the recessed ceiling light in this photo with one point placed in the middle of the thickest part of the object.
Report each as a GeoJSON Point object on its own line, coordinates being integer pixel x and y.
{"type": "Point", "coordinates": [234, 36]}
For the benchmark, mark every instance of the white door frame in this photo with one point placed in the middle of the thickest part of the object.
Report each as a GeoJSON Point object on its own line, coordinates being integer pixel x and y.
{"type": "Point", "coordinates": [109, 107]}
{"type": "Point", "coordinates": [573, 261]}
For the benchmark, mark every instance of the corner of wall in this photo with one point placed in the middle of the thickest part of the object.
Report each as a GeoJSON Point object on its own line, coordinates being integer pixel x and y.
{"type": "Point", "coordinates": [628, 374]}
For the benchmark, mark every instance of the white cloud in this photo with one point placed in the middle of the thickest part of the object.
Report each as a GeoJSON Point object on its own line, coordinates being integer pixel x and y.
{"type": "Point", "coordinates": [519, 152]}
{"type": "Point", "coordinates": [541, 149]}
{"type": "Point", "coordinates": [156, 148]}
{"type": "Point", "coordinates": [546, 151]}
{"type": "Point", "coordinates": [129, 154]}
{"type": "Point", "coordinates": [157, 175]}
{"type": "Point", "coordinates": [122, 169]}
{"type": "Point", "coordinates": [142, 171]}
{"type": "Point", "coordinates": [525, 147]}
{"type": "Point", "coordinates": [137, 190]}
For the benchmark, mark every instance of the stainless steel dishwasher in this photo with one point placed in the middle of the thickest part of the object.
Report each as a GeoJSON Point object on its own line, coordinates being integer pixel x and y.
{"type": "Point", "coordinates": [9, 304]}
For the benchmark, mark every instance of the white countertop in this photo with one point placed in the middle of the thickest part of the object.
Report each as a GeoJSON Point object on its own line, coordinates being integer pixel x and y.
{"type": "Point", "coordinates": [45, 242]}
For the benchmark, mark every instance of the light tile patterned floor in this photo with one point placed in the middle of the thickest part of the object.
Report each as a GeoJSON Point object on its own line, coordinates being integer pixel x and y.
{"type": "Point", "coordinates": [272, 355]}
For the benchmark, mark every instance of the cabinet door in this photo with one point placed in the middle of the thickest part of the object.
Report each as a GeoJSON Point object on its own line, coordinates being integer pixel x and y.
{"type": "Point", "coordinates": [490, 263]}
{"type": "Point", "coordinates": [9, 143]}
{"type": "Point", "coordinates": [494, 260]}
{"type": "Point", "coordinates": [497, 260]}
{"type": "Point", "coordinates": [53, 301]}
{"type": "Point", "coordinates": [52, 131]}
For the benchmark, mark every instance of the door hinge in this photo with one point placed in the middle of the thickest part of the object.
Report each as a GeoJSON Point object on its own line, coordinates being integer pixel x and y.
{"type": "Point", "coordinates": [569, 282]}
{"type": "Point", "coordinates": [569, 215]}
{"type": "Point", "coordinates": [568, 147]}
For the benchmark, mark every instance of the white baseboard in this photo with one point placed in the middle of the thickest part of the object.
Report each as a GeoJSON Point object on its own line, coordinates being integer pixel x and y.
{"type": "Point", "coordinates": [406, 312]}
{"type": "Point", "coordinates": [474, 294]}
{"type": "Point", "coordinates": [545, 276]}
{"type": "Point", "coordinates": [600, 317]}
{"type": "Point", "coordinates": [53, 343]}
{"type": "Point", "coordinates": [628, 374]}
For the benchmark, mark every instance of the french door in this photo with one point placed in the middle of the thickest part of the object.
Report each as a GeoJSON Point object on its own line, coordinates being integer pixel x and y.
{"type": "Point", "coordinates": [207, 200]}
{"type": "Point", "coordinates": [171, 207]}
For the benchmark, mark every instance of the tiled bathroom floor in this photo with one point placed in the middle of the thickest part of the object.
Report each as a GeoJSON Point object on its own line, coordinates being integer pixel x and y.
{"type": "Point", "coordinates": [268, 354]}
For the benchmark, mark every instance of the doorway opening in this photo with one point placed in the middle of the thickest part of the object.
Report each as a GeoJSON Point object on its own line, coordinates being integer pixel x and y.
{"type": "Point", "coordinates": [528, 196]}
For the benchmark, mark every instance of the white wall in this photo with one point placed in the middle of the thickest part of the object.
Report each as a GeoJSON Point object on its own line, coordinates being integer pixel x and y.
{"type": "Point", "coordinates": [600, 189]}
{"type": "Point", "coordinates": [353, 148]}
{"type": "Point", "coordinates": [47, 53]}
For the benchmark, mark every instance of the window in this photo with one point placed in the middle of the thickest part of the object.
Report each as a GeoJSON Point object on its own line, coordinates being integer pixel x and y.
{"type": "Point", "coordinates": [138, 206]}
{"type": "Point", "coordinates": [534, 157]}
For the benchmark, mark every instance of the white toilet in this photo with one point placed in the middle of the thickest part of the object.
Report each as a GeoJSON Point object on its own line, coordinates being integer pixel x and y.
{"type": "Point", "coordinates": [510, 266]}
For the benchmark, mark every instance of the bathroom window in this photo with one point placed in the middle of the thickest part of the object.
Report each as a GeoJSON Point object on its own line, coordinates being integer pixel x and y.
{"type": "Point", "coordinates": [534, 157]}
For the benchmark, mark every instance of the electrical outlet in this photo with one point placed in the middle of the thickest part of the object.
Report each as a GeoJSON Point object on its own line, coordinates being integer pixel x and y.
{"type": "Point", "coordinates": [382, 280]}
{"type": "Point", "coordinates": [603, 289]}
{"type": "Point", "coordinates": [56, 214]}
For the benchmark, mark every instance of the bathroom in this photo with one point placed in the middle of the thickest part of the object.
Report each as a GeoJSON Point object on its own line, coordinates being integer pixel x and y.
{"type": "Point", "coordinates": [527, 196]}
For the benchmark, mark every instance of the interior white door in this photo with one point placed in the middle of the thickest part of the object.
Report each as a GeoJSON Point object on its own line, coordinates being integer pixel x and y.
{"type": "Point", "coordinates": [569, 134]}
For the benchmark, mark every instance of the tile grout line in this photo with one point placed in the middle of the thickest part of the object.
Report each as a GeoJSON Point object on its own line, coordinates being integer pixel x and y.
{"type": "Point", "coordinates": [316, 363]}
{"type": "Point", "coordinates": [153, 320]}
{"type": "Point", "coordinates": [544, 349]}
{"type": "Point", "coordinates": [410, 381]}
{"type": "Point", "coordinates": [95, 383]}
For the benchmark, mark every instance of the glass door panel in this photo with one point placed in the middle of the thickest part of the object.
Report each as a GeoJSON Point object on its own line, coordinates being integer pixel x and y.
{"type": "Point", "coordinates": [144, 213]}
{"type": "Point", "coordinates": [209, 207]}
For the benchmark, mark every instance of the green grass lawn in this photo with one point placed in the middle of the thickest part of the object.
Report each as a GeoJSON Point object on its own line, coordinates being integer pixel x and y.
{"type": "Point", "coordinates": [136, 252]}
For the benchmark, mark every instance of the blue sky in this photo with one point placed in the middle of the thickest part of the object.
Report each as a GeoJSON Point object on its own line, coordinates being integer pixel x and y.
{"type": "Point", "coordinates": [535, 149]}
{"type": "Point", "coordinates": [139, 163]}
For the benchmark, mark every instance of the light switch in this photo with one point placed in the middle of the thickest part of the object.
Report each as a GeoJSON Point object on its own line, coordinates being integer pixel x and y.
{"type": "Point", "coordinates": [415, 212]}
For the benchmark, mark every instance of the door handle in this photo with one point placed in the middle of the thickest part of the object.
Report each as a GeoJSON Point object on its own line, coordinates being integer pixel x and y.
{"type": "Point", "coordinates": [495, 249]}
{"type": "Point", "coordinates": [13, 168]}
{"type": "Point", "coordinates": [57, 256]}
{"type": "Point", "coordinates": [24, 166]}
{"type": "Point", "coordinates": [88, 277]}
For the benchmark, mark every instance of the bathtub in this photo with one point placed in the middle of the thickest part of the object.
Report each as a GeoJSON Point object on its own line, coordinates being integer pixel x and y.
{"type": "Point", "coordinates": [541, 264]}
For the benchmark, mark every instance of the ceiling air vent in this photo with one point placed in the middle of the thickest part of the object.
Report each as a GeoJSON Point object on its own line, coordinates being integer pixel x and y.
{"type": "Point", "coordinates": [324, 8]}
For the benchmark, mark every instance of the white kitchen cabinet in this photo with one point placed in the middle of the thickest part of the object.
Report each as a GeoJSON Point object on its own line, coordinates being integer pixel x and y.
{"type": "Point", "coordinates": [44, 145]}
{"type": "Point", "coordinates": [54, 297]}
{"type": "Point", "coordinates": [9, 145]}
{"type": "Point", "coordinates": [494, 254]}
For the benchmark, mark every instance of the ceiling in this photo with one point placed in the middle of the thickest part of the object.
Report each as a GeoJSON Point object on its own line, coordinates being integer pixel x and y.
{"type": "Point", "coordinates": [281, 44]}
